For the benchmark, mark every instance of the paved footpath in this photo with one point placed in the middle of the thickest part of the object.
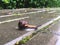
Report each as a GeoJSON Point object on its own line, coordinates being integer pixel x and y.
{"type": "Point", "coordinates": [8, 31]}
{"type": "Point", "coordinates": [47, 36]}
{"type": "Point", "coordinates": [15, 11]}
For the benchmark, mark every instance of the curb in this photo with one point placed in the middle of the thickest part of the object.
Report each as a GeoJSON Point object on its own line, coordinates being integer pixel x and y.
{"type": "Point", "coordinates": [14, 20]}
{"type": "Point", "coordinates": [22, 13]}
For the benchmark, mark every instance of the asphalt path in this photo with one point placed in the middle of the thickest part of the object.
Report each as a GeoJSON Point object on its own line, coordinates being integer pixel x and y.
{"type": "Point", "coordinates": [8, 31]}
{"type": "Point", "coordinates": [47, 36]}
{"type": "Point", "coordinates": [15, 11]}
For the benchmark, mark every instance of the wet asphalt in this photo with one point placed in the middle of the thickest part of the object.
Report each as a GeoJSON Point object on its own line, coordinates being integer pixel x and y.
{"type": "Point", "coordinates": [15, 11]}
{"type": "Point", "coordinates": [47, 36]}
{"type": "Point", "coordinates": [8, 31]}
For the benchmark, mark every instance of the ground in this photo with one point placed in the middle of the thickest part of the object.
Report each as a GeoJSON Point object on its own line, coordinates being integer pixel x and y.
{"type": "Point", "coordinates": [8, 31]}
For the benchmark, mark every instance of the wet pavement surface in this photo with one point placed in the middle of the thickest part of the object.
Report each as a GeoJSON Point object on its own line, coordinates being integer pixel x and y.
{"type": "Point", "coordinates": [46, 36]}
{"type": "Point", "coordinates": [8, 31]}
{"type": "Point", "coordinates": [16, 11]}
